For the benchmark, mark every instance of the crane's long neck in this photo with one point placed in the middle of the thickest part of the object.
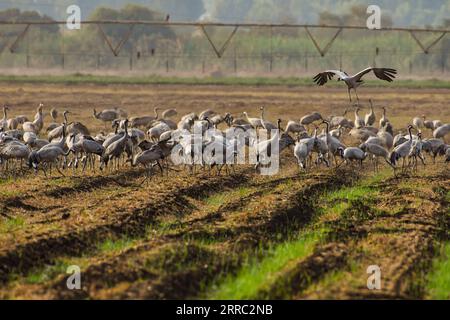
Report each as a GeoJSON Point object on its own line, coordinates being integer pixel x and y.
{"type": "Point", "coordinates": [262, 113]}
{"type": "Point", "coordinates": [38, 117]}
{"type": "Point", "coordinates": [156, 113]}
{"type": "Point", "coordinates": [228, 121]}
{"type": "Point", "coordinates": [410, 134]}
{"type": "Point", "coordinates": [63, 134]}
{"type": "Point", "coordinates": [4, 113]}
{"type": "Point", "coordinates": [65, 117]}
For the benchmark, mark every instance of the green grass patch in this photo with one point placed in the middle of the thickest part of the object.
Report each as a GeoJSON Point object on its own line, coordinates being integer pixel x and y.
{"type": "Point", "coordinates": [6, 180]}
{"type": "Point", "coordinates": [9, 193]}
{"type": "Point", "coordinates": [438, 286]}
{"type": "Point", "coordinates": [78, 78]}
{"type": "Point", "coordinates": [10, 224]}
{"type": "Point", "coordinates": [338, 208]}
{"type": "Point", "coordinates": [111, 245]}
{"type": "Point", "coordinates": [367, 188]}
{"type": "Point", "coordinates": [334, 277]}
{"type": "Point", "coordinates": [47, 273]}
{"type": "Point", "coordinates": [349, 194]}
{"type": "Point", "coordinates": [216, 200]}
{"type": "Point", "coordinates": [257, 274]}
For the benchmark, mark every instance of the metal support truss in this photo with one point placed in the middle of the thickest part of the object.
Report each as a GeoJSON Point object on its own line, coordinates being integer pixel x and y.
{"type": "Point", "coordinates": [116, 50]}
{"type": "Point", "coordinates": [426, 50]}
{"type": "Point", "coordinates": [19, 37]}
{"type": "Point", "coordinates": [328, 45]}
{"type": "Point", "coordinates": [220, 51]}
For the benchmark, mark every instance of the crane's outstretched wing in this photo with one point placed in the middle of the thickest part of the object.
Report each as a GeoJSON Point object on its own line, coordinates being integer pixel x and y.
{"type": "Point", "coordinates": [323, 77]}
{"type": "Point", "coordinates": [386, 74]}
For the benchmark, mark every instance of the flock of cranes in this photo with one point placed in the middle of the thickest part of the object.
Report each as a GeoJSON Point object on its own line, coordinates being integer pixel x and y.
{"type": "Point", "coordinates": [158, 140]}
{"type": "Point", "coordinates": [151, 140]}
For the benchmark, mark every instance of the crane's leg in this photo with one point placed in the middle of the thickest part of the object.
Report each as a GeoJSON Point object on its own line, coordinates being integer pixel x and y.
{"type": "Point", "coordinates": [422, 159]}
{"type": "Point", "coordinates": [357, 98]}
{"type": "Point", "coordinates": [349, 95]}
{"type": "Point", "coordinates": [146, 174]}
{"type": "Point", "coordinates": [59, 171]}
{"type": "Point", "coordinates": [160, 167]}
{"type": "Point", "coordinates": [325, 160]}
{"type": "Point", "coordinates": [84, 164]}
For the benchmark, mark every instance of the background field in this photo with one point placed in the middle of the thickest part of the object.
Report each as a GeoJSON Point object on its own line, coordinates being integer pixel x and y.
{"type": "Point", "coordinates": [241, 235]}
{"type": "Point", "coordinates": [173, 50]}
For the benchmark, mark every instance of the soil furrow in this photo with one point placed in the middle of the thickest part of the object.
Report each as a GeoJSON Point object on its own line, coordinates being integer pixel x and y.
{"type": "Point", "coordinates": [400, 241]}
{"type": "Point", "coordinates": [275, 223]}
{"type": "Point", "coordinates": [31, 254]}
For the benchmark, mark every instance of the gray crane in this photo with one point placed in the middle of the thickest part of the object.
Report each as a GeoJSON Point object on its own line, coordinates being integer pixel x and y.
{"type": "Point", "coordinates": [115, 149]}
{"type": "Point", "coordinates": [354, 81]}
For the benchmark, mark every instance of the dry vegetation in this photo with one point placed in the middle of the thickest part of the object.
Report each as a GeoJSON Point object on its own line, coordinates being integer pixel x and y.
{"type": "Point", "coordinates": [292, 235]}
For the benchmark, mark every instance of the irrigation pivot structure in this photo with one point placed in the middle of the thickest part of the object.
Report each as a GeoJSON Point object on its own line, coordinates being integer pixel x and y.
{"type": "Point", "coordinates": [322, 45]}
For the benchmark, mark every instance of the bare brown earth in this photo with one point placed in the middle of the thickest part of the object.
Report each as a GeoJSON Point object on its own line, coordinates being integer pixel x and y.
{"type": "Point", "coordinates": [281, 102]}
{"type": "Point", "coordinates": [177, 234]}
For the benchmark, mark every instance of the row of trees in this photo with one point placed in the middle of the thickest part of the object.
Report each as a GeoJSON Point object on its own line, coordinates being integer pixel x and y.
{"type": "Point", "coordinates": [402, 13]}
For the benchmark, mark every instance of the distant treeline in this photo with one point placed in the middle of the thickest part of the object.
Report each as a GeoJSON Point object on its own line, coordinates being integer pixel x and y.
{"type": "Point", "coordinates": [255, 46]}
{"type": "Point", "coordinates": [403, 13]}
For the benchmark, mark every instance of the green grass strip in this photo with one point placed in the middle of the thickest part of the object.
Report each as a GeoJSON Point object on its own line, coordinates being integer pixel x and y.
{"type": "Point", "coordinates": [255, 274]}
{"type": "Point", "coordinates": [78, 78]}
{"type": "Point", "coordinates": [438, 285]}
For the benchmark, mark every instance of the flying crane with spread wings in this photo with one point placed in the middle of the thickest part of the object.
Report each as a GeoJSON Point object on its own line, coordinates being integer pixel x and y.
{"type": "Point", "coordinates": [354, 81]}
